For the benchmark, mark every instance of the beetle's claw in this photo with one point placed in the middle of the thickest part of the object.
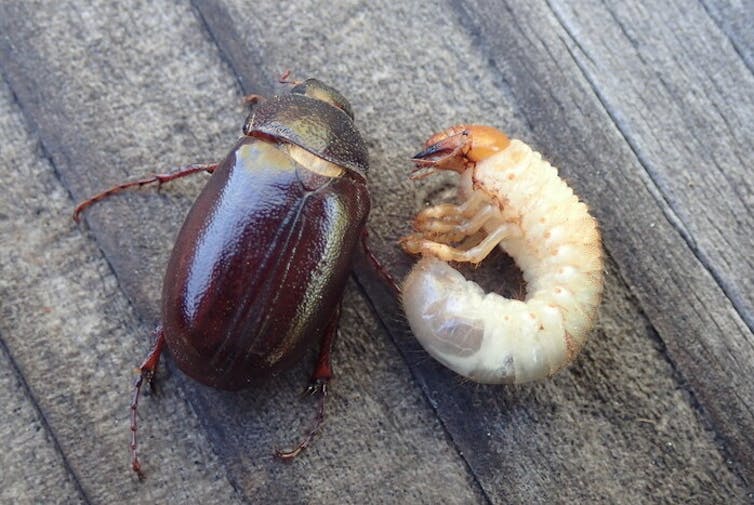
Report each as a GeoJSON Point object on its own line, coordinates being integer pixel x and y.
{"type": "Point", "coordinates": [289, 455]}
{"type": "Point", "coordinates": [136, 467]}
{"type": "Point", "coordinates": [153, 389]}
{"type": "Point", "coordinates": [318, 386]}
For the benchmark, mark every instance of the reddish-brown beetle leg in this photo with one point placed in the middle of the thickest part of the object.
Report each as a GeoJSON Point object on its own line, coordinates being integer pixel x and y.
{"type": "Point", "coordinates": [252, 99]}
{"type": "Point", "coordinates": [377, 265]}
{"type": "Point", "coordinates": [320, 380]}
{"type": "Point", "coordinates": [157, 178]}
{"type": "Point", "coordinates": [146, 373]}
{"type": "Point", "coordinates": [285, 78]}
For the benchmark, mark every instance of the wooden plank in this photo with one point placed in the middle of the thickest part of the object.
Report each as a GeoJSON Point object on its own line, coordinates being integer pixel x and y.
{"type": "Point", "coordinates": [74, 340]}
{"type": "Point", "coordinates": [34, 470]}
{"type": "Point", "coordinates": [619, 426]}
{"type": "Point", "coordinates": [705, 337]}
{"type": "Point", "coordinates": [735, 19]}
{"type": "Point", "coordinates": [154, 84]}
{"type": "Point", "coordinates": [687, 111]}
{"type": "Point", "coordinates": [513, 69]}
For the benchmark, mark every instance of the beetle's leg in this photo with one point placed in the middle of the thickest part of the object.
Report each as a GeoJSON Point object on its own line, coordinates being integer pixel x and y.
{"type": "Point", "coordinates": [475, 254]}
{"type": "Point", "coordinates": [377, 265]}
{"type": "Point", "coordinates": [320, 380]}
{"type": "Point", "coordinates": [285, 78]}
{"type": "Point", "coordinates": [252, 99]}
{"type": "Point", "coordinates": [157, 178]}
{"type": "Point", "coordinates": [146, 373]}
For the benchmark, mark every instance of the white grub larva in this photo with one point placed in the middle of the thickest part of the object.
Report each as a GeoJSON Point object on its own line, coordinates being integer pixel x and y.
{"type": "Point", "coordinates": [519, 203]}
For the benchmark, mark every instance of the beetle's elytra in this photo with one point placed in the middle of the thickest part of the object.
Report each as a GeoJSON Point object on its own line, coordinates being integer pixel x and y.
{"type": "Point", "coordinates": [259, 267]}
{"type": "Point", "coordinates": [261, 261]}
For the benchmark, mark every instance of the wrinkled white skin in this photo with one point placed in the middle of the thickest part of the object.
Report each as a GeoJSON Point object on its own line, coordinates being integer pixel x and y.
{"type": "Point", "coordinates": [555, 243]}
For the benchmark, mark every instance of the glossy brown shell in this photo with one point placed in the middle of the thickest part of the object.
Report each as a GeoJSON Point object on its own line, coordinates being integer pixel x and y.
{"type": "Point", "coordinates": [259, 266]}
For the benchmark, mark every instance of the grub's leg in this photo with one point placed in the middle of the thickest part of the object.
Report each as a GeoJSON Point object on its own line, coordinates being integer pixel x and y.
{"type": "Point", "coordinates": [377, 265]}
{"type": "Point", "coordinates": [157, 178]}
{"type": "Point", "coordinates": [452, 212]}
{"type": "Point", "coordinates": [320, 380]}
{"type": "Point", "coordinates": [450, 232]}
{"type": "Point", "coordinates": [475, 254]}
{"type": "Point", "coordinates": [146, 374]}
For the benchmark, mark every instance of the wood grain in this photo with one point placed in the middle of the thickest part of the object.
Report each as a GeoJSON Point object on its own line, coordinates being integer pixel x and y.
{"type": "Point", "coordinates": [399, 434]}
{"type": "Point", "coordinates": [657, 408]}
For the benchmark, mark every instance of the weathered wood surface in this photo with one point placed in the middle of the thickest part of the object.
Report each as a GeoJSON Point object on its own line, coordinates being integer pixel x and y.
{"type": "Point", "coordinates": [649, 112]}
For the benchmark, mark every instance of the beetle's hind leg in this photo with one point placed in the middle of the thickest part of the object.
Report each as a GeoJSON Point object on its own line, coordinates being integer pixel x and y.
{"type": "Point", "coordinates": [159, 179]}
{"type": "Point", "coordinates": [146, 374]}
{"type": "Point", "coordinates": [377, 265]}
{"type": "Point", "coordinates": [318, 386]}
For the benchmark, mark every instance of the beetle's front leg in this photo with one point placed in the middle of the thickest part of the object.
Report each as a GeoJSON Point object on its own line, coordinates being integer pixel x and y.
{"type": "Point", "coordinates": [320, 380]}
{"type": "Point", "coordinates": [158, 179]}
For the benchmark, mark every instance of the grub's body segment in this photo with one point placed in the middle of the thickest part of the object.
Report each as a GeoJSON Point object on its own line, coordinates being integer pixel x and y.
{"type": "Point", "coordinates": [535, 217]}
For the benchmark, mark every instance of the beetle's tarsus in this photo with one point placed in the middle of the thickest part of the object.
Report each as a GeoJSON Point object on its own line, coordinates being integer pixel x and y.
{"type": "Point", "coordinates": [146, 373]}
{"type": "Point", "coordinates": [136, 467]}
{"type": "Point", "coordinates": [316, 387]}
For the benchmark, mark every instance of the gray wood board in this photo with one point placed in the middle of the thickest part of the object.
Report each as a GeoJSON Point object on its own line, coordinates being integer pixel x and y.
{"type": "Point", "coordinates": [651, 410]}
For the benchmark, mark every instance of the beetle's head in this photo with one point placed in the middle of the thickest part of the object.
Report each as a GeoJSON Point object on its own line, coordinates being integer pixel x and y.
{"type": "Point", "coordinates": [458, 148]}
{"type": "Point", "coordinates": [321, 91]}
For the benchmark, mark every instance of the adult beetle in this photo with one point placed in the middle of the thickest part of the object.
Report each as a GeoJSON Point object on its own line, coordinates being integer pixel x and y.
{"type": "Point", "coordinates": [259, 267]}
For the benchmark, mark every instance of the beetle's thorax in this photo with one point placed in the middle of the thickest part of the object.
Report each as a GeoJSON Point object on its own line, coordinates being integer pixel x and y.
{"type": "Point", "coordinates": [318, 133]}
